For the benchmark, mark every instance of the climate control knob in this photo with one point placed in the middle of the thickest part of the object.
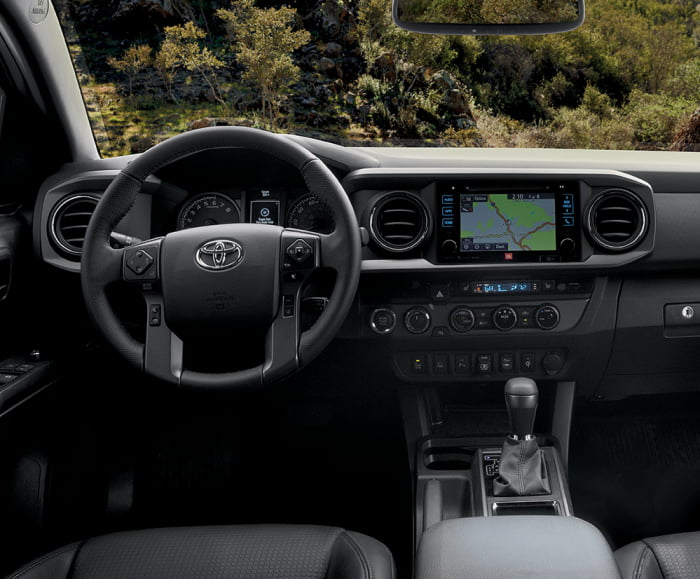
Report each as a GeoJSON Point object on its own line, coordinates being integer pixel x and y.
{"type": "Point", "coordinates": [505, 318]}
{"type": "Point", "coordinates": [547, 317]}
{"type": "Point", "coordinates": [417, 320]}
{"type": "Point", "coordinates": [462, 319]}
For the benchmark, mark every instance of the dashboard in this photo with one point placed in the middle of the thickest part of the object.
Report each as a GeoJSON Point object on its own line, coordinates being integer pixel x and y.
{"type": "Point", "coordinates": [472, 270]}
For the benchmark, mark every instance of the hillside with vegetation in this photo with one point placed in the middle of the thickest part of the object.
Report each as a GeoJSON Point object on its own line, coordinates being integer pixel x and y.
{"type": "Point", "coordinates": [629, 78]}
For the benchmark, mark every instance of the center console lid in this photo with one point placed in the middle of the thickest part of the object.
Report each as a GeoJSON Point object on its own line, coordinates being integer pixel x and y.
{"type": "Point", "coordinates": [514, 546]}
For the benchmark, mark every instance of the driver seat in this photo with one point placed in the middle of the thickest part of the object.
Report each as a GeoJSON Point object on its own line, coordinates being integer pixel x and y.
{"type": "Point", "coordinates": [219, 552]}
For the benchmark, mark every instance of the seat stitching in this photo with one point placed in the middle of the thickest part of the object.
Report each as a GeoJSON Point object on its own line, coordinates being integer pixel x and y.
{"type": "Point", "coordinates": [24, 570]}
{"type": "Point", "coordinates": [367, 570]}
{"type": "Point", "coordinates": [641, 561]}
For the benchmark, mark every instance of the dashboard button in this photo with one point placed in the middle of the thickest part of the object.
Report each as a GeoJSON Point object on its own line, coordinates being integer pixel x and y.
{"type": "Point", "coordinates": [418, 364]}
{"type": "Point", "coordinates": [506, 363]}
{"type": "Point", "coordinates": [417, 320]}
{"type": "Point", "coordinates": [505, 318]}
{"type": "Point", "coordinates": [462, 319]}
{"type": "Point", "coordinates": [483, 363]}
{"type": "Point", "coordinates": [547, 317]}
{"type": "Point", "coordinates": [441, 364]}
{"type": "Point", "coordinates": [527, 363]}
{"type": "Point", "coordinates": [382, 321]}
{"type": "Point", "coordinates": [462, 363]}
{"type": "Point", "coordinates": [525, 318]}
{"type": "Point", "coordinates": [439, 293]}
{"type": "Point", "coordinates": [440, 332]}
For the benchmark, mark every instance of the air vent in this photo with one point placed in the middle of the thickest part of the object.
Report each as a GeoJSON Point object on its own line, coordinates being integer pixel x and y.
{"type": "Point", "coordinates": [617, 220]}
{"type": "Point", "coordinates": [399, 222]}
{"type": "Point", "coordinates": [69, 222]}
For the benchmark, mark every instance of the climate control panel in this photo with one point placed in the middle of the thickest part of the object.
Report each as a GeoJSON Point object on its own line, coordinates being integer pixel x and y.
{"type": "Point", "coordinates": [446, 319]}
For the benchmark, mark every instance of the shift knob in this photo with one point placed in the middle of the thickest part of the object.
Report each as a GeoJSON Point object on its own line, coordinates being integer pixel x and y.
{"type": "Point", "coordinates": [521, 400]}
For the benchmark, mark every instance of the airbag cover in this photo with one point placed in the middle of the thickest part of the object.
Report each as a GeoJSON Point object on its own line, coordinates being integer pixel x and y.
{"type": "Point", "coordinates": [221, 279]}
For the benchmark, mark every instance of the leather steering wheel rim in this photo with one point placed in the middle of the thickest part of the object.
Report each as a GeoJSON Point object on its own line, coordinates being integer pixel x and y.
{"type": "Point", "coordinates": [101, 265]}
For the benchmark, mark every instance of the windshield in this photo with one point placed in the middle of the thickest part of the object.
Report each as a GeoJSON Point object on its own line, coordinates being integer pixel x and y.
{"type": "Point", "coordinates": [341, 71]}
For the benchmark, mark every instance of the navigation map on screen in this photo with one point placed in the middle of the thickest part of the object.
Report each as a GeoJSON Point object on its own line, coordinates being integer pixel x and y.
{"type": "Point", "coordinates": [508, 222]}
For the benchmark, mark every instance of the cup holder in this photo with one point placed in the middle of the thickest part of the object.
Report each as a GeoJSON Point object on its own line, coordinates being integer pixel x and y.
{"type": "Point", "coordinates": [448, 458]}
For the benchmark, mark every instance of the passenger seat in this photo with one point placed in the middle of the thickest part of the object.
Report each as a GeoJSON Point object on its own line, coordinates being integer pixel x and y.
{"type": "Point", "coordinates": [666, 557]}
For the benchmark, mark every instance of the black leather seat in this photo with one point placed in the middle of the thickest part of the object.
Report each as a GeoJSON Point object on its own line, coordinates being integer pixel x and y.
{"type": "Point", "coordinates": [231, 552]}
{"type": "Point", "coordinates": [665, 557]}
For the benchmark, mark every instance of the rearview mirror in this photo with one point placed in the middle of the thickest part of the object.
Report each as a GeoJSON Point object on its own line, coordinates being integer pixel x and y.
{"type": "Point", "coordinates": [487, 17]}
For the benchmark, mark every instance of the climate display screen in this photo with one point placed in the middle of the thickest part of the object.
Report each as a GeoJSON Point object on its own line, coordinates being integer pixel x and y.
{"type": "Point", "coordinates": [507, 222]}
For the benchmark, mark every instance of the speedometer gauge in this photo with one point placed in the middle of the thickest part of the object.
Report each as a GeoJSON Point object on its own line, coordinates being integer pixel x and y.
{"type": "Point", "coordinates": [310, 214]}
{"type": "Point", "coordinates": [208, 209]}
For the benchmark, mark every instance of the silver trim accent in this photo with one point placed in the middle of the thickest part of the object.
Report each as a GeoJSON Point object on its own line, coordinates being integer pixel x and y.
{"type": "Point", "coordinates": [218, 251]}
{"type": "Point", "coordinates": [595, 203]}
{"type": "Point", "coordinates": [554, 504]}
{"type": "Point", "coordinates": [58, 209]}
{"type": "Point", "coordinates": [373, 325]}
{"type": "Point", "coordinates": [421, 208]}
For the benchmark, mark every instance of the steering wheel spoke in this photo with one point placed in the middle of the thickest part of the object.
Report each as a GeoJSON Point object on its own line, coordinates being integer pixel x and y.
{"type": "Point", "coordinates": [163, 351]}
{"type": "Point", "coordinates": [141, 263]}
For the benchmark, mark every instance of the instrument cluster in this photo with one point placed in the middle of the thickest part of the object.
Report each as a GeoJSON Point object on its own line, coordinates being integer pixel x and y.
{"type": "Point", "coordinates": [267, 206]}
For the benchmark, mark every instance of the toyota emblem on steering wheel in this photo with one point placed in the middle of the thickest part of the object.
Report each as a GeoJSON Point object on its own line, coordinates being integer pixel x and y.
{"type": "Point", "coordinates": [219, 255]}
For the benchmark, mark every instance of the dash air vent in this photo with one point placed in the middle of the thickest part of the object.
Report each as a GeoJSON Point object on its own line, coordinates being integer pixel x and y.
{"type": "Point", "coordinates": [617, 220]}
{"type": "Point", "coordinates": [69, 222]}
{"type": "Point", "coordinates": [399, 222]}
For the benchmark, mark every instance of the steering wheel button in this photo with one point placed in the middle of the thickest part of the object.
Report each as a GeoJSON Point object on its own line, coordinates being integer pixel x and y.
{"type": "Point", "coordinates": [140, 262]}
{"type": "Point", "coordinates": [299, 250]}
{"type": "Point", "coordinates": [154, 315]}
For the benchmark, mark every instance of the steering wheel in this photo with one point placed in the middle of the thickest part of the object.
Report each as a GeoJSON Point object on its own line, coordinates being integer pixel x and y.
{"type": "Point", "coordinates": [222, 279]}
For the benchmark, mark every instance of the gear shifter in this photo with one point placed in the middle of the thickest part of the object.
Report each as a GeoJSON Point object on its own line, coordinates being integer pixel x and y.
{"type": "Point", "coordinates": [521, 470]}
{"type": "Point", "coordinates": [521, 400]}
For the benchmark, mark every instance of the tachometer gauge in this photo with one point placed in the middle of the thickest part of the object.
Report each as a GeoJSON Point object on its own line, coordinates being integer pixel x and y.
{"type": "Point", "coordinates": [310, 214]}
{"type": "Point", "coordinates": [208, 209]}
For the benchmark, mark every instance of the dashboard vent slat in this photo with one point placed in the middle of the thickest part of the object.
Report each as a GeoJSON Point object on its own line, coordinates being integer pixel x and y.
{"type": "Point", "coordinates": [399, 222]}
{"type": "Point", "coordinates": [69, 223]}
{"type": "Point", "coordinates": [616, 220]}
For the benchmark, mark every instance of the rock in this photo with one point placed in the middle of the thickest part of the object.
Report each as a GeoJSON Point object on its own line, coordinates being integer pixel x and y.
{"type": "Point", "coordinates": [143, 144]}
{"type": "Point", "coordinates": [688, 138]}
{"type": "Point", "coordinates": [325, 64]}
{"type": "Point", "coordinates": [207, 122]}
{"type": "Point", "coordinates": [333, 14]}
{"type": "Point", "coordinates": [309, 102]}
{"type": "Point", "coordinates": [443, 80]}
{"type": "Point", "coordinates": [333, 49]}
{"type": "Point", "coordinates": [465, 123]}
{"type": "Point", "coordinates": [456, 102]}
{"type": "Point", "coordinates": [350, 98]}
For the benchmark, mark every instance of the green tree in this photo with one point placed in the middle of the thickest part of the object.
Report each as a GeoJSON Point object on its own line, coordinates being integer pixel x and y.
{"type": "Point", "coordinates": [264, 40]}
{"type": "Point", "coordinates": [182, 48]}
{"type": "Point", "coordinates": [133, 60]}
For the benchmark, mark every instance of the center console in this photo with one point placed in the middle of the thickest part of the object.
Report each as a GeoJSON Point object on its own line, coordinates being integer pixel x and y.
{"type": "Point", "coordinates": [499, 506]}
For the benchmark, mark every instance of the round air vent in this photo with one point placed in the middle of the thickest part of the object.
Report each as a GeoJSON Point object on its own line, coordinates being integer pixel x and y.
{"type": "Point", "coordinates": [69, 222]}
{"type": "Point", "coordinates": [399, 222]}
{"type": "Point", "coordinates": [617, 220]}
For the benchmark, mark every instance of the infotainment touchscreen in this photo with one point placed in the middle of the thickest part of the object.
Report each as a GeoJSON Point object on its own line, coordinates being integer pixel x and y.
{"type": "Point", "coordinates": [508, 221]}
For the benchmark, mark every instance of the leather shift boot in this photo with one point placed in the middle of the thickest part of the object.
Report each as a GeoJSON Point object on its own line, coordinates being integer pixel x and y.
{"type": "Point", "coordinates": [522, 470]}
